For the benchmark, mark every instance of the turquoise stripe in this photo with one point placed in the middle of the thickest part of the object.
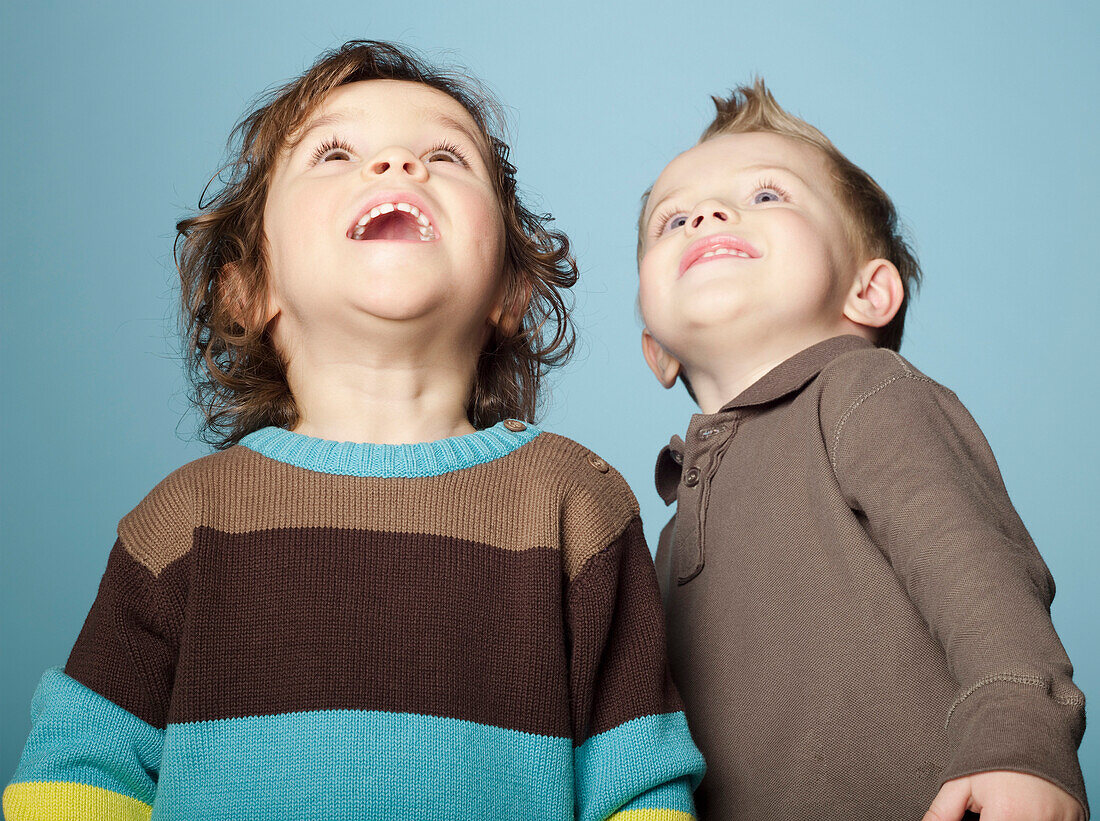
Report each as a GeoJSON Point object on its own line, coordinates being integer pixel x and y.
{"type": "Point", "coordinates": [388, 461]}
{"type": "Point", "coordinates": [635, 758]}
{"type": "Point", "coordinates": [361, 765]}
{"type": "Point", "coordinates": [79, 736]}
{"type": "Point", "coordinates": [675, 795]}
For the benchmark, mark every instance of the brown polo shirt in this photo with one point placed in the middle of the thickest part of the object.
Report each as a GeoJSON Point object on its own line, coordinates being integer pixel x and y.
{"type": "Point", "coordinates": [856, 613]}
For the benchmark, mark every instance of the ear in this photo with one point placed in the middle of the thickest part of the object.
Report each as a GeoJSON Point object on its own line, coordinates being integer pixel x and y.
{"type": "Point", "coordinates": [247, 312]}
{"type": "Point", "coordinates": [508, 311]}
{"type": "Point", "coordinates": [876, 294]}
{"type": "Point", "coordinates": [664, 366]}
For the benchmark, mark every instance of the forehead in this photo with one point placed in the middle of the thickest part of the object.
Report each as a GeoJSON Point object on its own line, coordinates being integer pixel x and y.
{"type": "Point", "coordinates": [389, 102]}
{"type": "Point", "coordinates": [728, 155]}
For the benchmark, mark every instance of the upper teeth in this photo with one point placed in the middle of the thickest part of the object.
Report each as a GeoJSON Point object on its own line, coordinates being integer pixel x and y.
{"type": "Point", "coordinates": [427, 232]}
{"type": "Point", "coordinates": [729, 251]}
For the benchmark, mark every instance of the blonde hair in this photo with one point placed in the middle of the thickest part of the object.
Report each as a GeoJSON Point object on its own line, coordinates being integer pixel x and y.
{"type": "Point", "coordinates": [873, 225]}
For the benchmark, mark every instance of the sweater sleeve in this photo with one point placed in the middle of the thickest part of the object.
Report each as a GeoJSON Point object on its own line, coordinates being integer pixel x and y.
{"type": "Point", "coordinates": [910, 459]}
{"type": "Point", "coordinates": [634, 759]}
{"type": "Point", "coordinates": [97, 727]}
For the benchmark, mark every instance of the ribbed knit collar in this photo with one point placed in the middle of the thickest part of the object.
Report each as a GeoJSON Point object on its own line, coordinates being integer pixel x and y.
{"type": "Point", "coordinates": [388, 461]}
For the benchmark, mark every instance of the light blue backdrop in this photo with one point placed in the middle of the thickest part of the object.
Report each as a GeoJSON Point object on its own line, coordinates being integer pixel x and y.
{"type": "Point", "coordinates": [979, 118]}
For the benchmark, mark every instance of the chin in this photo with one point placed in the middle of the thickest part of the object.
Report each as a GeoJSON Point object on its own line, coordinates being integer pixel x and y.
{"type": "Point", "coordinates": [711, 311]}
{"type": "Point", "coordinates": [404, 311]}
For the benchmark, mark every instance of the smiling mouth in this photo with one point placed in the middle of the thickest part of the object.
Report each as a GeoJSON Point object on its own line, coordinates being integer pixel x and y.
{"type": "Point", "coordinates": [723, 246]}
{"type": "Point", "coordinates": [400, 221]}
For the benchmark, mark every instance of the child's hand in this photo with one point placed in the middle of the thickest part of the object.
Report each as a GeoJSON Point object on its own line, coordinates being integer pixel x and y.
{"type": "Point", "coordinates": [1004, 796]}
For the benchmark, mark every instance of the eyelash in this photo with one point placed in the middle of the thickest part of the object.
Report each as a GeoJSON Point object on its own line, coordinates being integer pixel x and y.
{"type": "Point", "coordinates": [662, 220]}
{"type": "Point", "coordinates": [443, 145]}
{"type": "Point", "coordinates": [331, 145]}
{"type": "Point", "coordinates": [334, 144]}
{"type": "Point", "coordinates": [771, 186]}
{"type": "Point", "coordinates": [665, 216]}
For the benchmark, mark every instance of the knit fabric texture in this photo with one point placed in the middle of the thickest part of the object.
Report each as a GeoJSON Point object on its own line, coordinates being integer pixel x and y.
{"type": "Point", "coordinates": [298, 628]}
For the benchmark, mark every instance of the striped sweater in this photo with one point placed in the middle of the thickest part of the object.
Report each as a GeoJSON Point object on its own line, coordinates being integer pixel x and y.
{"type": "Point", "coordinates": [294, 628]}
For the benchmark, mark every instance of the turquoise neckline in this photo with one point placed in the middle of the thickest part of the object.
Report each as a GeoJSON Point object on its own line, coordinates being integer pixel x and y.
{"type": "Point", "coordinates": [388, 461]}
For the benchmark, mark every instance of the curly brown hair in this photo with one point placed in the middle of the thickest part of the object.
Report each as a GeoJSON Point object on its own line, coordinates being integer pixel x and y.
{"type": "Point", "coordinates": [238, 377]}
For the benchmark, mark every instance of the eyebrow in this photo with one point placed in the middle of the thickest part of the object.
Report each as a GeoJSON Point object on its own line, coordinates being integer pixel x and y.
{"type": "Point", "coordinates": [335, 118]}
{"type": "Point", "coordinates": [319, 122]}
{"type": "Point", "coordinates": [757, 167]}
{"type": "Point", "coordinates": [455, 125]}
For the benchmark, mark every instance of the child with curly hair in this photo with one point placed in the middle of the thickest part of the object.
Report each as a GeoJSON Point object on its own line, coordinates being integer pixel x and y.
{"type": "Point", "coordinates": [385, 595]}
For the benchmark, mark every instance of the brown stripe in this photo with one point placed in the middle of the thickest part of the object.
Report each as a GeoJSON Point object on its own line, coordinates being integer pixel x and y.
{"type": "Point", "coordinates": [547, 493]}
{"type": "Point", "coordinates": [619, 670]}
{"type": "Point", "coordinates": [127, 649]}
{"type": "Point", "coordinates": [291, 619]}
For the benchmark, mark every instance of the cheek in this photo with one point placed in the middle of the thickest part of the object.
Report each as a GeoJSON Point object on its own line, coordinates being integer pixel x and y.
{"type": "Point", "coordinates": [650, 300]}
{"type": "Point", "coordinates": [657, 271]}
{"type": "Point", "coordinates": [483, 214]}
{"type": "Point", "coordinates": [281, 236]}
{"type": "Point", "coordinates": [815, 241]}
{"type": "Point", "coordinates": [485, 225]}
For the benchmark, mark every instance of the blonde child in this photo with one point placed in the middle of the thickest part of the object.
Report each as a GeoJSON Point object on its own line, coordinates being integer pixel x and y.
{"type": "Point", "coordinates": [858, 620]}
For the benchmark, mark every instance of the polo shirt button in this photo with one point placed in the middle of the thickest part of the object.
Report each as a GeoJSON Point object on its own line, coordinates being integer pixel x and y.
{"type": "Point", "coordinates": [514, 425]}
{"type": "Point", "coordinates": [598, 463]}
{"type": "Point", "coordinates": [691, 478]}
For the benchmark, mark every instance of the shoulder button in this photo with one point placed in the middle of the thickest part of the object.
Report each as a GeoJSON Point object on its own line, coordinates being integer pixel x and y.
{"type": "Point", "coordinates": [598, 463]}
{"type": "Point", "coordinates": [515, 425]}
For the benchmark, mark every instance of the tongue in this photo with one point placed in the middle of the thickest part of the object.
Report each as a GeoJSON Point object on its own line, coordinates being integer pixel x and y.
{"type": "Point", "coordinates": [394, 225]}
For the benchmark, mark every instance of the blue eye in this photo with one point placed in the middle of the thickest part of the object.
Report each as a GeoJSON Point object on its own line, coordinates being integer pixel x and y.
{"type": "Point", "coordinates": [672, 223]}
{"type": "Point", "coordinates": [767, 191]}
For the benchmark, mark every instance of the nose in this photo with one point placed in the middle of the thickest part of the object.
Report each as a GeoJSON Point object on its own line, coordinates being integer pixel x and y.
{"type": "Point", "coordinates": [397, 160]}
{"type": "Point", "coordinates": [711, 211]}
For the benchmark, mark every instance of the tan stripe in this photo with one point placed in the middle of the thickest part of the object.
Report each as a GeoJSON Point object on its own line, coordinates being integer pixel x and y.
{"type": "Point", "coordinates": [550, 492]}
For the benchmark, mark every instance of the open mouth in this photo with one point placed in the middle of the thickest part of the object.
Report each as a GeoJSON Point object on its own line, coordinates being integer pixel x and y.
{"type": "Point", "coordinates": [393, 221]}
{"type": "Point", "coordinates": [721, 246]}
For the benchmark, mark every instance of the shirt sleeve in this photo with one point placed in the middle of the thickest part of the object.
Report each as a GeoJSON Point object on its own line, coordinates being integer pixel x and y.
{"type": "Point", "coordinates": [97, 727]}
{"type": "Point", "coordinates": [912, 461]}
{"type": "Point", "coordinates": [634, 759]}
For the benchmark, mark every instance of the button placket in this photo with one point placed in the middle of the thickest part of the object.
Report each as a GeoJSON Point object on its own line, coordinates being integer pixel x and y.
{"type": "Point", "coordinates": [704, 449]}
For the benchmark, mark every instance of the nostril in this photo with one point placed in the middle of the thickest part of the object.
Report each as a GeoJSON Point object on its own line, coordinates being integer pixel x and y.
{"type": "Point", "coordinates": [720, 216]}
{"type": "Point", "coordinates": [695, 222]}
{"type": "Point", "coordinates": [381, 167]}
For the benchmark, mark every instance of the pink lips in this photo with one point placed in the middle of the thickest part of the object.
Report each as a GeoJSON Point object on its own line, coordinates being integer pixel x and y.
{"type": "Point", "coordinates": [695, 251]}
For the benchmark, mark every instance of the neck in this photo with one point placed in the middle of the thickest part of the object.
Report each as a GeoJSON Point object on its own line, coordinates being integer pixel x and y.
{"type": "Point", "coordinates": [395, 394]}
{"type": "Point", "coordinates": [719, 376]}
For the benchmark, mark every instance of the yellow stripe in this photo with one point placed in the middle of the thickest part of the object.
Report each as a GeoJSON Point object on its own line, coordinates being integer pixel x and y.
{"type": "Point", "coordinates": [65, 801]}
{"type": "Point", "coordinates": [652, 815]}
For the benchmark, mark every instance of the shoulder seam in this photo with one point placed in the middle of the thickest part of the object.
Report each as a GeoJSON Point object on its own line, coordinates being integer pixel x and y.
{"type": "Point", "coordinates": [603, 551]}
{"type": "Point", "coordinates": [909, 373]}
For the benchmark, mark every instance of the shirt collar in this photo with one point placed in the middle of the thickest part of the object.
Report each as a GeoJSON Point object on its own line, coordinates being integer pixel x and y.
{"type": "Point", "coordinates": [790, 375]}
{"type": "Point", "coordinates": [793, 373]}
